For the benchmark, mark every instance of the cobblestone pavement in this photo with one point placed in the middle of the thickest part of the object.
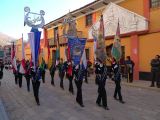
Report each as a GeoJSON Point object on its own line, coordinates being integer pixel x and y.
{"type": "Point", "coordinates": [58, 104]}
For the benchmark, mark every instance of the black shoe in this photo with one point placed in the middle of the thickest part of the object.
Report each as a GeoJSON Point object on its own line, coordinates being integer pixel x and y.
{"type": "Point", "coordinates": [121, 101]}
{"type": "Point", "coordinates": [81, 105]}
{"type": "Point", "coordinates": [98, 104]}
{"type": "Point", "coordinates": [38, 104]}
{"type": "Point", "coordinates": [105, 107]}
{"type": "Point", "coordinates": [115, 98]}
{"type": "Point", "coordinates": [151, 85]}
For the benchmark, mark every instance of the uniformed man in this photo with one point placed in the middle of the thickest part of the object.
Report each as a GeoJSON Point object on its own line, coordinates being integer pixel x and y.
{"type": "Point", "coordinates": [43, 67]}
{"type": "Point", "coordinates": [117, 79]}
{"type": "Point", "coordinates": [101, 81]}
{"type": "Point", "coordinates": [70, 68]}
{"type": "Point", "coordinates": [19, 74]}
{"type": "Point", "coordinates": [61, 69]}
{"type": "Point", "coordinates": [28, 75]}
{"type": "Point", "coordinates": [97, 71]}
{"type": "Point", "coordinates": [36, 80]}
{"type": "Point", "coordinates": [52, 72]}
{"type": "Point", "coordinates": [79, 74]}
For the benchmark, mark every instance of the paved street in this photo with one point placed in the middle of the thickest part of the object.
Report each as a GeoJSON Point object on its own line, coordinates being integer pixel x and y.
{"type": "Point", "coordinates": [56, 104]}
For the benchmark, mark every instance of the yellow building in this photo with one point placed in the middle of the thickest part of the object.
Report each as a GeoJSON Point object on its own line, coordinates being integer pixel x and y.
{"type": "Point", "coordinates": [27, 50]}
{"type": "Point", "coordinates": [139, 25]}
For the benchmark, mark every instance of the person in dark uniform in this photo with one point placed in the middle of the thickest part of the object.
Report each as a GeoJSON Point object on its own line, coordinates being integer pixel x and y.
{"type": "Point", "coordinates": [130, 67]}
{"type": "Point", "coordinates": [101, 81]}
{"type": "Point", "coordinates": [117, 79]}
{"type": "Point", "coordinates": [155, 70]}
{"type": "Point", "coordinates": [70, 76]}
{"type": "Point", "coordinates": [97, 70]}
{"type": "Point", "coordinates": [79, 74]}
{"type": "Point", "coordinates": [52, 72]}
{"type": "Point", "coordinates": [27, 75]}
{"type": "Point", "coordinates": [43, 67]}
{"type": "Point", "coordinates": [19, 74]}
{"type": "Point", "coordinates": [61, 72]}
{"type": "Point", "coordinates": [36, 80]}
{"type": "Point", "coordinates": [86, 75]}
{"type": "Point", "coordinates": [1, 71]}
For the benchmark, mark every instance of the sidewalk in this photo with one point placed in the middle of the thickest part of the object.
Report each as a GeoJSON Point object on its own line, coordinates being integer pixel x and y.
{"type": "Point", "coordinates": [136, 83]}
{"type": "Point", "coordinates": [140, 84]}
{"type": "Point", "coordinates": [3, 114]}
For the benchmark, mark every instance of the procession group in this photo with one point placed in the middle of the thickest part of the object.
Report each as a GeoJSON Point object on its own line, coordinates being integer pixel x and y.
{"type": "Point", "coordinates": [73, 73]}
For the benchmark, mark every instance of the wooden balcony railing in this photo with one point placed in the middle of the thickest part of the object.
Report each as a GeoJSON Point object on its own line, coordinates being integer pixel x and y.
{"type": "Point", "coordinates": [63, 40]}
{"type": "Point", "coordinates": [51, 42]}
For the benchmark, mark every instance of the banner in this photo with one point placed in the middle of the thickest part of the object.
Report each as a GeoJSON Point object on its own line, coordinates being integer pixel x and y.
{"type": "Point", "coordinates": [23, 65]}
{"type": "Point", "coordinates": [34, 38]}
{"type": "Point", "coordinates": [116, 48]}
{"type": "Point", "coordinates": [76, 46]}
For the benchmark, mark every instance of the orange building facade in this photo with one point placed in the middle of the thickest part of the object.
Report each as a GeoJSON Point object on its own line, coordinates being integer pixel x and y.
{"type": "Point", "coordinates": [142, 45]}
{"type": "Point", "coordinates": [27, 50]}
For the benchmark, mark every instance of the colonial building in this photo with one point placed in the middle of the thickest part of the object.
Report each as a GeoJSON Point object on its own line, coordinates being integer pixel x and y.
{"type": "Point", "coordinates": [139, 28]}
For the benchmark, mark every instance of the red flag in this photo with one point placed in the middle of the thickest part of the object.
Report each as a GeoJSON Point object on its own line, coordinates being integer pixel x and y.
{"type": "Point", "coordinates": [69, 71]}
{"type": "Point", "coordinates": [23, 65]}
{"type": "Point", "coordinates": [14, 64]}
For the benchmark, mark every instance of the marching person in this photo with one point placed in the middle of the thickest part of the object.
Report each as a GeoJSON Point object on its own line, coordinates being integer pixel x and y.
{"type": "Point", "coordinates": [69, 68]}
{"type": "Point", "coordinates": [15, 72]}
{"type": "Point", "coordinates": [1, 71]}
{"type": "Point", "coordinates": [101, 81]}
{"type": "Point", "coordinates": [117, 79]}
{"type": "Point", "coordinates": [97, 71]}
{"type": "Point", "coordinates": [61, 69]}
{"type": "Point", "coordinates": [52, 72]}
{"type": "Point", "coordinates": [155, 70]}
{"type": "Point", "coordinates": [19, 74]}
{"type": "Point", "coordinates": [79, 74]}
{"type": "Point", "coordinates": [130, 69]}
{"type": "Point", "coordinates": [36, 80]}
{"type": "Point", "coordinates": [43, 67]}
{"type": "Point", "coordinates": [27, 75]}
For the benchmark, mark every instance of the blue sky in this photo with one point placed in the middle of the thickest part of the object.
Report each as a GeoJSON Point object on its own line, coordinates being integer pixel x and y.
{"type": "Point", "coordinates": [12, 13]}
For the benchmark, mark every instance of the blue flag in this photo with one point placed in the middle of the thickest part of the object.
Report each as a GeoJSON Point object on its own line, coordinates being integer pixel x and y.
{"type": "Point", "coordinates": [76, 46]}
{"type": "Point", "coordinates": [37, 36]}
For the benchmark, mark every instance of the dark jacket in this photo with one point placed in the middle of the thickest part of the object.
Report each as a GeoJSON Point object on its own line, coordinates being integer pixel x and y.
{"type": "Point", "coordinates": [155, 65]}
{"type": "Point", "coordinates": [116, 71]}
{"type": "Point", "coordinates": [79, 73]}
{"type": "Point", "coordinates": [52, 69]}
{"type": "Point", "coordinates": [130, 66]}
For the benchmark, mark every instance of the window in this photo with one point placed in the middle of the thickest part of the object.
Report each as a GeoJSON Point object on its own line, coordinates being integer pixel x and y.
{"type": "Point", "coordinates": [89, 20]}
{"type": "Point", "coordinates": [154, 3]}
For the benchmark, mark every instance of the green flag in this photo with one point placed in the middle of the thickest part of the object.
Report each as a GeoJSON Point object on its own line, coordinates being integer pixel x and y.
{"type": "Point", "coordinates": [116, 48]}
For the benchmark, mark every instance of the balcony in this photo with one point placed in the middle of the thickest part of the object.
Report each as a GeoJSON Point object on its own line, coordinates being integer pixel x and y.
{"type": "Point", "coordinates": [51, 42]}
{"type": "Point", "coordinates": [63, 40]}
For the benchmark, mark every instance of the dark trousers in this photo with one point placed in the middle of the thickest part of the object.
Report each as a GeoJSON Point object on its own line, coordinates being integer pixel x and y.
{"type": "Point", "coordinates": [61, 76]}
{"type": "Point", "coordinates": [43, 77]}
{"type": "Point", "coordinates": [130, 77]}
{"type": "Point", "coordinates": [79, 91]}
{"type": "Point", "coordinates": [118, 90]}
{"type": "Point", "coordinates": [20, 80]}
{"type": "Point", "coordinates": [96, 80]}
{"type": "Point", "coordinates": [52, 79]}
{"type": "Point", "coordinates": [102, 95]}
{"type": "Point", "coordinates": [70, 84]}
{"type": "Point", "coordinates": [86, 76]}
{"type": "Point", "coordinates": [36, 85]}
{"type": "Point", "coordinates": [155, 77]}
{"type": "Point", "coordinates": [28, 83]}
{"type": "Point", "coordinates": [16, 79]}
